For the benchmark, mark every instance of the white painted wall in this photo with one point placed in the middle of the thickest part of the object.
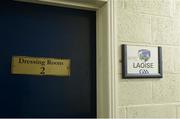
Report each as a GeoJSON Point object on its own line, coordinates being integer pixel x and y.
{"type": "Point", "coordinates": [157, 23]}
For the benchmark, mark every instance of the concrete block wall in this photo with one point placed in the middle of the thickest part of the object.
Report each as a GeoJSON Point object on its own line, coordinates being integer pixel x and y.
{"type": "Point", "coordinates": [153, 23]}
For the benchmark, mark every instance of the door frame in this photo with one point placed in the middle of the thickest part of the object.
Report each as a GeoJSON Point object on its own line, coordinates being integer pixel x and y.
{"type": "Point", "coordinates": [105, 45]}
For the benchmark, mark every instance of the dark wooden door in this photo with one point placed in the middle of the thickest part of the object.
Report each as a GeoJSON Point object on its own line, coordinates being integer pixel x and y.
{"type": "Point", "coordinates": [46, 31]}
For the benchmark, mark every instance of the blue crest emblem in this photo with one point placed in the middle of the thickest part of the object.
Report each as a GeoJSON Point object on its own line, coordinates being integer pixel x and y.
{"type": "Point", "coordinates": [144, 54]}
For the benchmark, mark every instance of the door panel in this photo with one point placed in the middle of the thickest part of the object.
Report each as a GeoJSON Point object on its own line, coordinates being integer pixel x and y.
{"type": "Point", "coordinates": [53, 32]}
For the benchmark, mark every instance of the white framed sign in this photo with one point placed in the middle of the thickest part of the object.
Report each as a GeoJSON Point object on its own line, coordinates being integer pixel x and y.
{"type": "Point", "coordinates": [141, 61]}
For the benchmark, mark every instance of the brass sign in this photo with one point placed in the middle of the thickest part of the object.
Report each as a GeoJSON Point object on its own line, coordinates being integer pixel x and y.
{"type": "Point", "coordinates": [40, 66]}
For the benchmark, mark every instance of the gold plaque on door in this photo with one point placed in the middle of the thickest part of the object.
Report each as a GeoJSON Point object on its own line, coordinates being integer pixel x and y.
{"type": "Point", "coordinates": [40, 66]}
